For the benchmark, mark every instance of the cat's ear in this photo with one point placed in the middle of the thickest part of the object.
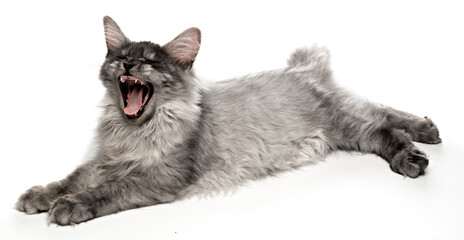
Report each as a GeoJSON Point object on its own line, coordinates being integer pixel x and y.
{"type": "Point", "coordinates": [184, 48]}
{"type": "Point", "coordinates": [115, 38]}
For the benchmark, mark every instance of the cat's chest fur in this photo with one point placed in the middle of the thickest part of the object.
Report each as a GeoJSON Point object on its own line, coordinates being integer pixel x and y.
{"type": "Point", "coordinates": [152, 141]}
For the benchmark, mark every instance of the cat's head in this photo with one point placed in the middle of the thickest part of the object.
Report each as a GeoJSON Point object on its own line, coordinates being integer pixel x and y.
{"type": "Point", "coordinates": [139, 76]}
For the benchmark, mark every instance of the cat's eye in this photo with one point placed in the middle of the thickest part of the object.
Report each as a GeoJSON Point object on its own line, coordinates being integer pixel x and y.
{"type": "Point", "coordinates": [119, 57]}
{"type": "Point", "coordinates": [152, 62]}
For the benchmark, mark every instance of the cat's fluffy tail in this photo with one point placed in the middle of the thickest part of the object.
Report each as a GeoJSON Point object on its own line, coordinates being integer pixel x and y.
{"type": "Point", "coordinates": [314, 60]}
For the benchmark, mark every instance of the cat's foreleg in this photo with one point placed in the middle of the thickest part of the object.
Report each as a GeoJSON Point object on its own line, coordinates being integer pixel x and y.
{"type": "Point", "coordinates": [39, 198]}
{"type": "Point", "coordinates": [107, 198]}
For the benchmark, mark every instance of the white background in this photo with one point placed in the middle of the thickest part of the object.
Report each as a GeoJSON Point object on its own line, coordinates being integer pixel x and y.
{"type": "Point", "coordinates": [406, 54]}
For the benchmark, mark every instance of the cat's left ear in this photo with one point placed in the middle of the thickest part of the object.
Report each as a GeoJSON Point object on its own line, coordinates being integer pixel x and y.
{"type": "Point", "coordinates": [184, 48]}
{"type": "Point", "coordinates": [115, 38]}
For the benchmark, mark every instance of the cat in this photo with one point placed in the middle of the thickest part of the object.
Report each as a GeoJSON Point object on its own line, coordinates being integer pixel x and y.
{"type": "Point", "coordinates": [163, 136]}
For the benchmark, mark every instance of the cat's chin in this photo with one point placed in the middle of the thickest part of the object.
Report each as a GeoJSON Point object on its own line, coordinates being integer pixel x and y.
{"type": "Point", "coordinates": [135, 94]}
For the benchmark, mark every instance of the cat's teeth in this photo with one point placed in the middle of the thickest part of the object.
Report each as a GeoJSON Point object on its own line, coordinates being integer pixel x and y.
{"type": "Point", "coordinates": [136, 81]}
{"type": "Point", "coordinates": [122, 80]}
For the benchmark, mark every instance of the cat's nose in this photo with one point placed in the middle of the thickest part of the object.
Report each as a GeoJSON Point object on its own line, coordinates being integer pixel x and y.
{"type": "Point", "coordinates": [128, 66]}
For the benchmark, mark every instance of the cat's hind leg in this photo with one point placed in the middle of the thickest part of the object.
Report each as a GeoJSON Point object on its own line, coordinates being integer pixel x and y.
{"type": "Point", "coordinates": [390, 136]}
{"type": "Point", "coordinates": [396, 147]}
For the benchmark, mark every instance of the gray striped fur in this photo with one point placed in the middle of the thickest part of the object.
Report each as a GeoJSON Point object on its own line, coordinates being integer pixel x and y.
{"type": "Point", "coordinates": [193, 140]}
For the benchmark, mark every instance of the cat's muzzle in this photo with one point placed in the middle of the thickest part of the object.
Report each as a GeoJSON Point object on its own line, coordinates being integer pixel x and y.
{"type": "Point", "coordinates": [135, 95]}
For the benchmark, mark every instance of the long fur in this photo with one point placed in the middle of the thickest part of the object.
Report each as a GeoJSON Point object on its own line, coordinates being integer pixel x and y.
{"type": "Point", "coordinates": [191, 140]}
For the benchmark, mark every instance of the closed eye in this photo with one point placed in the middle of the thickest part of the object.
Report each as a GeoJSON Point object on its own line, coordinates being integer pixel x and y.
{"type": "Point", "coordinates": [119, 57]}
{"type": "Point", "coordinates": [152, 62]}
{"type": "Point", "coordinates": [155, 62]}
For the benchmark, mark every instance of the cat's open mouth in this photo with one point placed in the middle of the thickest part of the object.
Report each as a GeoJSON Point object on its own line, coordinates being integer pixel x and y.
{"type": "Point", "coordinates": [135, 94]}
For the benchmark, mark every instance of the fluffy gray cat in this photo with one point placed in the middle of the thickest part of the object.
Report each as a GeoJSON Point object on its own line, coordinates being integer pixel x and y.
{"type": "Point", "coordinates": [163, 137]}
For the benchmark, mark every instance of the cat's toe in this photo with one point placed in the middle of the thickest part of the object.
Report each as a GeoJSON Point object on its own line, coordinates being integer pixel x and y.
{"type": "Point", "coordinates": [33, 201]}
{"type": "Point", "coordinates": [69, 211]}
{"type": "Point", "coordinates": [410, 162]}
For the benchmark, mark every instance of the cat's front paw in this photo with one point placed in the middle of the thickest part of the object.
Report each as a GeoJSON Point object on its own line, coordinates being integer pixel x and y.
{"type": "Point", "coordinates": [69, 211]}
{"type": "Point", "coordinates": [35, 200]}
{"type": "Point", "coordinates": [410, 162]}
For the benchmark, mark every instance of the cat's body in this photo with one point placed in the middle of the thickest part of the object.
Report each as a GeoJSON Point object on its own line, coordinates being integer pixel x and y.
{"type": "Point", "coordinates": [162, 137]}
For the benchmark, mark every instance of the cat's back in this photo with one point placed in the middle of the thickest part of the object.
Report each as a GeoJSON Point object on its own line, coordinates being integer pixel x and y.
{"type": "Point", "coordinates": [279, 98]}
{"type": "Point", "coordinates": [276, 91]}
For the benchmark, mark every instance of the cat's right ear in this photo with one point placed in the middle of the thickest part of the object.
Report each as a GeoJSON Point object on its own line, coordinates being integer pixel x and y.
{"type": "Point", "coordinates": [115, 38]}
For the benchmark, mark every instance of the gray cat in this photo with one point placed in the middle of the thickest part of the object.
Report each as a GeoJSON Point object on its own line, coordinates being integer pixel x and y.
{"type": "Point", "coordinates": [163, 137]}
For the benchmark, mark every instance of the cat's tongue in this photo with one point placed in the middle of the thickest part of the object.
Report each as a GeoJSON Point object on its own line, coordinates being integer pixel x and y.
{"type": "Point", "coordinates": [134, 100]}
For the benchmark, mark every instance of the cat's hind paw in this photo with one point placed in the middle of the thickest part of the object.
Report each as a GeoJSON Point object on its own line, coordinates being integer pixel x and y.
{"type": "Point", "coordinates": [426, 132]}
{"type": "Point", "coordinates": [410, 162]}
